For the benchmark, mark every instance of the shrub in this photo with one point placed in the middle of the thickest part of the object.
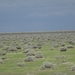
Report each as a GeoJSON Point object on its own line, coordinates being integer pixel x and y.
{"type": "Point", "coordinates": [29, 59]}
{"type": "Point", "coordinates": [38, 55]}
{"type": "Point", "coordinates": [12, 48]}
{"type": "Point", "coordinates": [63, 44]}
{"type": "Point", "coordinates": [56, 45]}
{"type": "Point", "coordinates": [73, 68]}
{"type": "Point", "coordinates": [6, 48]}
{"type": "Point", "coordinates": [63, 61]}
{"type": "Point", "coordinates": [57, 57]}
{"type": "Point", "coordinates": [26, 50]}
{"type": "Point", "coordinates": [21, 64]}
{"type": "Point", "coordinates": [72, 42]}
{"type": "Point", "coordinates": [1, 61]}
{"type": "Point", "coordinates": [4, 57]}
{"type": "Point", "coordinates": [42, 67]}
{"type": "Point", "coordinates": [18, 47]}
{"type": "Point", "coordinates": [1, 45]}
{"type": "Point", "coordinates": [37, 46]}
{"type": "Point", "coordinates": [31, 53]}
{"type": "Point", "coordinates": [63, 49]}
{"type": "Point", "coordinates": [47, 65]}
{"type": "Point", "coordinates": [70, 46]}
{"type": "Point", "coordinates": [3, 53]}
{"type": "Point", "coordinates": [63, 57]}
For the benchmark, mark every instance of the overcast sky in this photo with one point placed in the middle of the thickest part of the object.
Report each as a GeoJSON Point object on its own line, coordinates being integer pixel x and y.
{"type": "Point", "coordinates": [36, 15]}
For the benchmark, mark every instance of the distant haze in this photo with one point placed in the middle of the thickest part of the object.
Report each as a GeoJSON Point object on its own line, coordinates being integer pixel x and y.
{"type": "Point", "coordinates": [36, 15]}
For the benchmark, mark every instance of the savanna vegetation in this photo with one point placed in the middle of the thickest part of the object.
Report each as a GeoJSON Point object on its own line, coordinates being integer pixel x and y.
{"type": "Point", "coordinates": [37, 53]}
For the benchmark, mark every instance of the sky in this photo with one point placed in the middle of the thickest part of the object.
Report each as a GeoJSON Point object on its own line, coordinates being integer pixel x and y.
{"type": "Point", "coordinates": [36, 15]}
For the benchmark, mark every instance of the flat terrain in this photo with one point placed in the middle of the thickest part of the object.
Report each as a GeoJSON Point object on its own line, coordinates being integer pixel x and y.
{"type": "Point", "coordinates": [37, 53]}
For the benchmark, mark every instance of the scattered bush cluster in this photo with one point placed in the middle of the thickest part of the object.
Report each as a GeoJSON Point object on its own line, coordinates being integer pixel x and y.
{"type": "Point", "coordinates": [31, 46]}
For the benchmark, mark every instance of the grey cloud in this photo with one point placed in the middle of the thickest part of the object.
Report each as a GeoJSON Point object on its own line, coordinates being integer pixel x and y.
{"type": "Point", "coordinates": [40, 8]}
{"type": "Point", "coordinates": [35, 2]}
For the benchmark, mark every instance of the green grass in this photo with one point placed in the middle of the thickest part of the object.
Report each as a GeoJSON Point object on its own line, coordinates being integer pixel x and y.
{"type": "Point", "coordinates": [9, 66]}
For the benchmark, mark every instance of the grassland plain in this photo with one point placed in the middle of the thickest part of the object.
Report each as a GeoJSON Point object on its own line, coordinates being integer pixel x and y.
{"type": "Point", "coordinates": [50, 49]}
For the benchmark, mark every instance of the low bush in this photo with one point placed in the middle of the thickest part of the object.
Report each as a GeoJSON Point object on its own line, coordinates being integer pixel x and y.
{"type": "Point", "coordinates": [72, 42]}
{"type": "Point", "coordinates": [31, 53]}
{"type": "Point", "coordinates": [1, 45]}
{"type": "Point", "coordinates": [21, 64]}
{"type": "Point", "coordinates": [12, 48]}
{"type": "Point", "coordinates": [62, 44]}
{"type": "Point", "coordinates": [73, 68]}
{"type": "Point", "coordinates": [29, 59]}
{"type": "Point", "coordinates": [4, 58]}
{"type": "Point", "coordinates": [37, 47]}
{"type": "Point", "coordinates": [61, 57]}
{"type": "Point", "coordinates": [63, 49]}
{"type": "Point", "coordinates": [63, 61]}
{"type": "Point", "coordinates": [26, 50]}
{"type": "Point", "coordinates": [3, 53]}
{"type": "Point", "coordinates": [1, 61]}
{"type": "Point", "coordinates": [5, 48]}
{"type": "Point", "coordinates": [18, 47]}
{"type": "Point", "coordinates": [70, 46]}
{"type": "Point", "coordinates": [56, 45]}
{"type": "Point", "coordinates": [47, 65]}
{"type": "Point", "coordinates": [38, 55]}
